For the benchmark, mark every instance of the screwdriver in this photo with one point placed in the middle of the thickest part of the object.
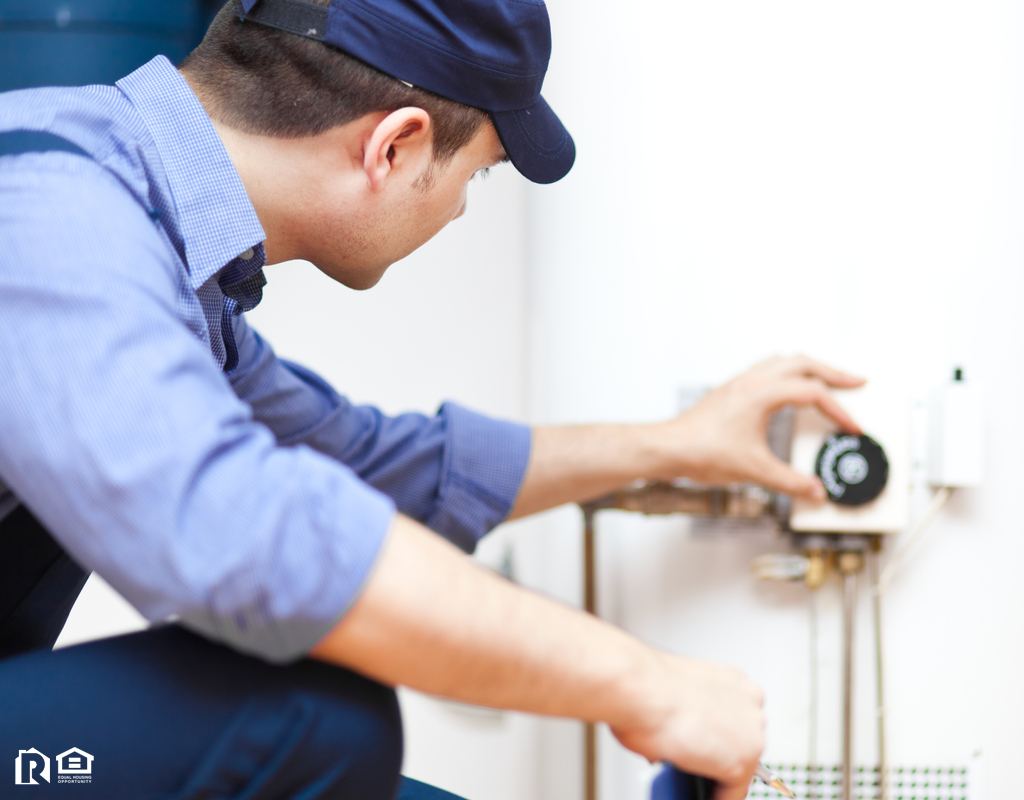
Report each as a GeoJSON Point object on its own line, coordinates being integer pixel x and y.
{"type": "Point", "coordinates": [763, 773]}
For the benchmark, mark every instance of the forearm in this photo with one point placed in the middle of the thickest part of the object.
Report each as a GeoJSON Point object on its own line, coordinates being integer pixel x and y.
{"type": "Point", "coordinates": [569, 464]}
{"type": "Point", "coordinates": [432, 620]}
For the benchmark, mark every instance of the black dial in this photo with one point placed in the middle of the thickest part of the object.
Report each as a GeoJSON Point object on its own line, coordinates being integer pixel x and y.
{"type": "Point", "coordinates": [853, 468]}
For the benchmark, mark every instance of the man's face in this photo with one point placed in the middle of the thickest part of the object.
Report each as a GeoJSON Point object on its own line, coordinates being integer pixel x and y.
{"type": "Point", "coordinates": [409, 213]}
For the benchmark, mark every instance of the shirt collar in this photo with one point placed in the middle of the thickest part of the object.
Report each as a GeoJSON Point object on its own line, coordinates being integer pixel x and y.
{"type": "Point", "coordinates": [216, 219]}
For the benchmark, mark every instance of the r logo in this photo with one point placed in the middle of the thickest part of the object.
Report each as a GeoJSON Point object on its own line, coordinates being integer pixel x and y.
{"type": "Point", "coordinates": [29, 762]}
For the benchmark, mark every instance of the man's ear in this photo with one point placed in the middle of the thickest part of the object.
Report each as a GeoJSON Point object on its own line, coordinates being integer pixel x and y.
{"type": "Point", "coordinates": [402, 140]}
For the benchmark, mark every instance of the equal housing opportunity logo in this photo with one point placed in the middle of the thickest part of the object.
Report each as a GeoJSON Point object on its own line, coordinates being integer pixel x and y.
{"type": "Point", "coordinates": [73, 766]}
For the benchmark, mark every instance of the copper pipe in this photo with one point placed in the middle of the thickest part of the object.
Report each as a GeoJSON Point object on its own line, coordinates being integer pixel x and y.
{"type": "Point", "coordinates": [590, 606]}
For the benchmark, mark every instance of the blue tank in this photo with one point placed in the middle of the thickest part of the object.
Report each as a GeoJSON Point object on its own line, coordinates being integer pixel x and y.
{"type": "Point", "coordinates": [78, 42]}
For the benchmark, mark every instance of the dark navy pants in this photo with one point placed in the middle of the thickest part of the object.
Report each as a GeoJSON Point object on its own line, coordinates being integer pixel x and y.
{"type": "Point", "coordinates": [167, 715]}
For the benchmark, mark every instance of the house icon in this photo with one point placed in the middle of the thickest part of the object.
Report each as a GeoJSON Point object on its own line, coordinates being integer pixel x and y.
{"type": "Point", "coordinates": [74, 762]}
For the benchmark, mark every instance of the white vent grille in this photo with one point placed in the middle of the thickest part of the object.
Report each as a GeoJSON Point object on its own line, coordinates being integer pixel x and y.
{"type": "Point", "coordinates": [935, 782]}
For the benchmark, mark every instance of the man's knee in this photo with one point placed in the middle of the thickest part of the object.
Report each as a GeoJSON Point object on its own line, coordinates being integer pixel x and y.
{"type": "Point", "coordinates": [359, 738]}
{"type": "Point", "coordinates": [320, 733]}
{"type": "Point", "coordinates": [173, 715]}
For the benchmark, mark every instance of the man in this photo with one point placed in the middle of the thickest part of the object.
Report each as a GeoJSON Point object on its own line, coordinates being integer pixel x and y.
{"type": "Point", "coordinates": [147, 433]}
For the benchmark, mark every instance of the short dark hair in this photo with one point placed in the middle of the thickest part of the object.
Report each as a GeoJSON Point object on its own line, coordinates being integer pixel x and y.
{"type": "Point", "coordinates": [268, 82]}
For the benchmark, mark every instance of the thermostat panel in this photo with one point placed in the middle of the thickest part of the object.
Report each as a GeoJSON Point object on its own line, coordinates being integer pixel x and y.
{"type": "Point", "coordinates": [867, 477]}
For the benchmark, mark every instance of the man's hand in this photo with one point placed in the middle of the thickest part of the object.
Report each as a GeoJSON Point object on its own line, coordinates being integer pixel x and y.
{"type": "Point", "coordinates": [712, 725]}
{"type": "Point", "coordinates": [722, 439]}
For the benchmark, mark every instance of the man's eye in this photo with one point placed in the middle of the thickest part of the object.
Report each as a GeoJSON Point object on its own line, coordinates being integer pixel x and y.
{"type": "Point", "coordinates": [482, 173]}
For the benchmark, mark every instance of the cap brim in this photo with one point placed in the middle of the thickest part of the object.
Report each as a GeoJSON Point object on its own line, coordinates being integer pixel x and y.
{"type": "Point", "coordinates": [536, 142]}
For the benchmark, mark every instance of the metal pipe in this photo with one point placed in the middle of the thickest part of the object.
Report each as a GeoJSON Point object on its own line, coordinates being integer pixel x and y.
{"type": "Point", "coordinates": [850, 563]}
{"type": "Point", "coordinates": [590, 606]}
{"type": "Point", "coordinates": [876, 595]}
{"type": "Point", "coordinates": [819, 558]}
{"type": "Point", "coordinates": [657, 497]}
{"type": "Point", "coordinates": [812, 732]}
{"type": "Point", "coordinates": [849, 613]}
{"type": "Point", "coordinates": [589, 594]}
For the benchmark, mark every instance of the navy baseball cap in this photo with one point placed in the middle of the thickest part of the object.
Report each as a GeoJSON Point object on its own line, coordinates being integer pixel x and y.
{"type": "Point", "coordinates": [489, 54]}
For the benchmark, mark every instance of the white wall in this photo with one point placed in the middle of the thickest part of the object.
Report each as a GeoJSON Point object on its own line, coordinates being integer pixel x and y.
{"type": "Point", "coordinates": [758, 178]}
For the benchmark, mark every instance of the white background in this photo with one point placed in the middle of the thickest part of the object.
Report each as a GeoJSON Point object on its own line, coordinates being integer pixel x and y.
{"type": "Point", "coordinates": [752, 178]}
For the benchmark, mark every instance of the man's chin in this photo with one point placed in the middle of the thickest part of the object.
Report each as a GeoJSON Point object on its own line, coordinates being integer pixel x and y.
{"type": "Point", "coordinates": [364, 282]}
{"type": "Point", "coordinates": [357, 279]}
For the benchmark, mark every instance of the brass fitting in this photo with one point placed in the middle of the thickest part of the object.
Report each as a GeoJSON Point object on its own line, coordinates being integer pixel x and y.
{"type": "Point", "coordinates": [850, 561]}
{"type": "Point", "coordinates": [817, 566]}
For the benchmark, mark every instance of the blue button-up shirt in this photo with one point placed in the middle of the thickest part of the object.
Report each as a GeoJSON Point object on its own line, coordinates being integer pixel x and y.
{"type": "Point", "coordinates": [151, 430]}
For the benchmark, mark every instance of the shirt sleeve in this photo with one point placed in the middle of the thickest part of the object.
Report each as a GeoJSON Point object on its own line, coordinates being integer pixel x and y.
{"type": "Point", "coordinates": [121, 434]}
{"type": "Point", "coordinates": [457, 472]}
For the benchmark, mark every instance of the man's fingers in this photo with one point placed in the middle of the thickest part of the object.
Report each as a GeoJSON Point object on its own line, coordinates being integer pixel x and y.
{"type": "Point", "coordinates": [810, 368]}
{"type": "Point", "coordinates": [812, 391]}
{"type": "Point", "coordinates": [831, 409]}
